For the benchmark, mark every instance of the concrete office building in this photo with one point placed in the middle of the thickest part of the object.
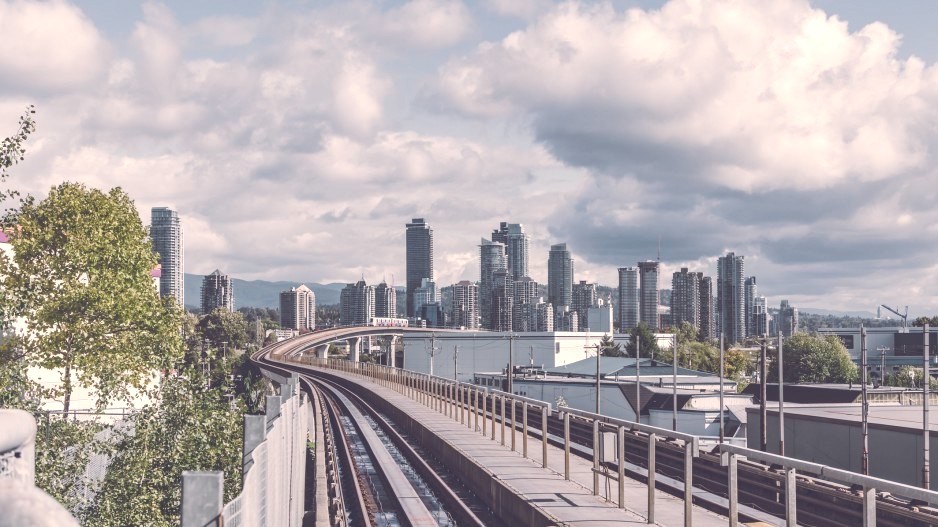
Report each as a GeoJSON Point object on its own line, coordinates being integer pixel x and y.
{"type": "Point", "coordinates": [298, 309]}
{"type": "Point", "coordinates": [492, 259]}
{"type": "Point", "coordinates": [167, 237]}
{"type": "Point", "coordinates": [629, 300]}
{"type": "Point", "coordinates": [599, 319]}
{"type": "Point", "coordinates": [357, 304]}
{"type": "Point", "coordinates": [425, 294]}
{"type": "Point", "coordinates": [419, 242]}
{"type": "Point", "coordinates": [516, 246]}
{"type": "Point", "coordinates": [545, 316]}
{"type": "Point", "coordinates": [584, 297]}
{"type": "Point", "coordinates": [525, 290]}
{"type": "Point", "coordinates": [787, 321]}
{"type": "Point", "coordinates": [217, 292]}
{"type": "Point", "coordinates": [385, 301]}
{"type": "Point", "coordinates": [466, 305]}
{"type": "Point", "coordinates": [889, 347]}
{"type": "Point", "coordinates": [731, 297]}
{"type": "Point", "coordinates": [559, 276]}
{"type": "Point", "coordinates": [648, 283]}
{"type": "Point", "coordinates": [566, 319]}
{"type": "Point", "coordinates": [685, 298]}
{"type": "Point", "coordinates": [759, 321]}
{"type": "Point", "coordinates": [503, 300]}
{"type": "Point", "coordinates": [707, 309]}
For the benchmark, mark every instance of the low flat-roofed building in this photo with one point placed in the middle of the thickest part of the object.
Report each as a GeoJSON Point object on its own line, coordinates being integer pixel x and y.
{"type": "Point", "coordinates": [887, 348]}
{"type": "Point", "coordinates": [830, 434]}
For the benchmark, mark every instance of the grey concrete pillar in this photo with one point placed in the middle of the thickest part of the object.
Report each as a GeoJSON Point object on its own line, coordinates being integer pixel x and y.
{"type": "Point", "coordinates": [322, 351]}
{"type": "Point", "coordinates": [392, 351]}
{"type": "Point", "coordinates": [202, 494]}
{"type": "Point", "coordinates": [355, 348]}
{"type": "Point", "coordinates": [273, 407]}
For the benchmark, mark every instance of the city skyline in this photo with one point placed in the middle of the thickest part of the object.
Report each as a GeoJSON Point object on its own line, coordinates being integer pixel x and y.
{"type": "Point", "coordinates": [279, 138]}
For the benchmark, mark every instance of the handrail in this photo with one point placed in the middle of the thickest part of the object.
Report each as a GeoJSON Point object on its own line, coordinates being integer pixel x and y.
{"type": "Point", "coordinates": [835, 474]}
{"type": "Point", "coordinates": [638, 427]}
{"type": "Point", "coordinates": [533, 402]}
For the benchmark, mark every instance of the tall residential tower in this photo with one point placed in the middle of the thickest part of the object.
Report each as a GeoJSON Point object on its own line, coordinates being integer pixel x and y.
{"type": "Point", "coordinates": [629, 302]}
{"type": "Point", "coordinates": [166, 235]}
{"type": "Point", "coordinates": [559, 276]}
{"type": "Point", "coordinates": [731, 297]}
{"type": "Point", "coordinates": [419, 258]}
{"type": "Point", "coordinates": [217, 292]}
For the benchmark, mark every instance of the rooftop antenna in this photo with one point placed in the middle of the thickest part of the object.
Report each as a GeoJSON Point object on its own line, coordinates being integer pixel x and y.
{"type": "Point", "coordinates": [659, 248]}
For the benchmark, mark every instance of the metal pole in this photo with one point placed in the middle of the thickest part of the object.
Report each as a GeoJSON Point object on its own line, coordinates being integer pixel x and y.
{"type": "Point", "coordinates": [638, 381]}
{"type": "Point", "coordinates": [763, 374]}
{"type": "Point", "coordinates": [432, 350]}
{"type": "Point", "coordinates": [455, 362]}
{"type": "Point", "coordinates": [511, 362]}
{"type": "Point", "coordinates": [869, 507]}
{"type": "Point", "coordinates": [865, 406]}
{"type": "Point", "coordinates": [514, 420]}
{"type": "Point", "coordinates": [566, 446]}
{"type": "Point", "coordinates": [621, 473]}
{"type": "Point", "coordinates": [651, 477]}
{"type": "Point", "coordinates": [926, 378]}
{"type": "Point", "coordinates": [722, 408]}
{"type": "Point", "coordinates": [595, 457]}
{"type": "Point", "coordinates": [688, 483]}
{"type": "Point", "coordinates": [781, 397]}
{"type": "Point", "coordinates": [544, 437]}
{"type": "Point", "coordinates": [674, 383]}
{"type": "Point", "coordinates": [524, 427]}
{"type": "Point", "coordinates": [598, 353]}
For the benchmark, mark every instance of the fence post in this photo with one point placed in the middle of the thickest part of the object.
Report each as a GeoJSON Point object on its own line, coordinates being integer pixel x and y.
{"type": "Point", "coordinates": [514, 420]}
{"type": "Point", "coordinates": [688, 483]}
{"type": "Point", "coordinates": [202, 494]}
{"type": "Point", "coordinates": [791, 497]}
{"type": "Point", "coordinates": [566, 446]}
{"type": "Point", "coordinates": [544, 436]}
{"type": "Point", "coordinates": [728, 459]}
{"type": "Point", "coordinates": [524, 429]}
{"type": "Point", "coordinates": [621, 467]}
{"type": "Point", "coordinates": [652, 440]}
{"type": "Point", "coordinates": [595, 457]}
{"type": "Point", "coordinates": [503, 420]}
{"type": "Point", "coordinates": [869, 507]}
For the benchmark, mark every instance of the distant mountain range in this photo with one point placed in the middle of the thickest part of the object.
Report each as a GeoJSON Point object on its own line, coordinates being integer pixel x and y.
{"type": "Point", "coordinates": [261, 293]}
{"type": "Point", "coordinates": [817, 311]}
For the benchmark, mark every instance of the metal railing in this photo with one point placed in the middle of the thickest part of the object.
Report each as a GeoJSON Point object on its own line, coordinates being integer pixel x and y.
{"type": "Point", "coordinates": [274, 469]}
{"type": "Point", "coordinates": [469, 404]}
{"type": "Point", "coordinates": [729, 455]}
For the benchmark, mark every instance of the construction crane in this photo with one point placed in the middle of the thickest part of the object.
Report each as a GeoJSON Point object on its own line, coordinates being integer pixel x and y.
{"type": "Point", "coordinates": [904, 317]}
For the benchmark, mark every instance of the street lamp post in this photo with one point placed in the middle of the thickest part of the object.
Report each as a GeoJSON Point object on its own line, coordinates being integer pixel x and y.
{"type": "Point", "coordinates": [674, 383]}
{"type": "Point", "coordinates": [865, 409]}
{"type": "Point", "coordinates": [781, 398]}
{"type": "Point", "coordinates": [721, 388]}
{"type": "Point", "coordinates": [638, 380]}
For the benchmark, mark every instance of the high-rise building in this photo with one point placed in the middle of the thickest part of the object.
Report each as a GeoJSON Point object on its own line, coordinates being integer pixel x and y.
{"type": "Point", "coordinates": [298, 308]}
{"type": "Point", "coordinates": [787, 319]}
{"type": "Point", "coordinates": [584, 297]}
{"type": "Point", "coordinates": [708, 326]}
{"type": "Point", "coordinates": [685, 298]}
{"type": "Point", "coordinates": [419, 258]}
{"type": "Point", "coordinates": [503, 300]}
{"type": "Point", "coordinates": [425, 294]}
{"type": "Point", "coordinates": [465, 305]}
{"type": "Point", "coordinates": [385, 301]}
{"type": "Point", "coordinates": [516, 246]}
{"type": "Point", "coordinates": [731, 297]}
{"type": "Point", "coordinates": [545, 316]}
{"type": "Point", "coordinates": [629, 301]}
{"type": "Point", "coordinates": [357, 304]}
{"type": "Point", "coordinates": [525, 290]}
{"type": "Point", "coordinates": [752, 291]}
{"type": "Point", "coordinates": [759, 321]}
{"type": "Point", "coordinates": [492, 259]}
{"type": "Point", "coordinates": [565, 319]}
{"type": "Point", "coordinates": [559, 276]}
{"type": "Point", "coordinates": [167, 238]}
{"type": "Point", "coordinates": [217, 292]}
{"type": "Point", "coordinates": [648, 283]}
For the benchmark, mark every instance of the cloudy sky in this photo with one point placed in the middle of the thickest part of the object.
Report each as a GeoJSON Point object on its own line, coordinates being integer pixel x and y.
{"type": "Point", "coordinates": [297, 138]}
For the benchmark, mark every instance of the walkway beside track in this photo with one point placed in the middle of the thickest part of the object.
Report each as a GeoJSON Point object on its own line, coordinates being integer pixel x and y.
{"type": "Point", "coordinates": [566, 502]}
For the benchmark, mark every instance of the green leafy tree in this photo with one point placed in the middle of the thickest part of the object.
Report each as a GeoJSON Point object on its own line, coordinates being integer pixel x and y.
{"type": "Point", "coordinates": [921, 321]}
{"type": "Point", "coordinates": [191, 426]}
{"type": "Point", "coordinates": [643, 335]}
{"type": "Point", "coordinates": [224, 330]}
{"type": "Point", "coordinates": [80, 277]}
{"type": "Point", "coordinates": [810, 358]}
{"type": "Point", "coordinates": [610, 348]}
{"type": "Point", "coordinates": [686, 333]}
{"type": "Point", "coordinates": [13, 150]}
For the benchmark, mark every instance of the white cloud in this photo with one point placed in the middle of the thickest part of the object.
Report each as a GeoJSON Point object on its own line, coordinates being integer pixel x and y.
{"type": "Point", "coordinates": [425, 23]}
{"type": "Point", "coordinates": [34, 58]}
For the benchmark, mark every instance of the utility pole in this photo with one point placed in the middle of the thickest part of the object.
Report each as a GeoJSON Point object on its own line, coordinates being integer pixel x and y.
{"type": "Point", "coordinates": [763, 374]}
{"type": "Point", "coordinates": [882, 364]}
{"type": "Point", "coordinates": [455, 362]}
{"type": "Point", "coordinates": [926, 378]}
{"type": "Point", "coordinates": [865, 407]}
{"type": "Point", "coordinates": [781, 398]}
{"type": "Point", "coordinates": [598, 353]}
{"type": "Point", "coordinates": [721, 388]}
{"type": "Point", "coordinates": [638, 380]}
{"type": "Point", "coordinates": [674, 383]}
{"type": "Point", "coordinates": [432, 351]}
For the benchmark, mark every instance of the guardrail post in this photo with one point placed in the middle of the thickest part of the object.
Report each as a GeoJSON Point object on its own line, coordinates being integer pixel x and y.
{"type": "Point", "coordinates": [503, 420]}
{"type": "Point", "coordinates": [728, 459]}
{"type": "Point", "coordinates": [869, 507]}
{"type": "Point", "coordinates": [524, 429]}
{"type": "Point", "coordinates": [791, 497]}
{"type": "Point", "coordinates": [621, 467]}
{"type": "Point", "coordinates": [485, 419]}
{"type": "Point", "coordinates": [652, 440]}
{"type": "Point", "coordinates": [544, 436]}
{"type": "Point", "coordinates": [475, 410]}
{"type": "Point", "coordinates": [595, 457]}
{"type": "Point", "coordinates": [566, 446]}
{"type": "Point", "coordinates": [514, 420]}
{"type": "Point", "coordinates": [688, 483]}
{"type": "Point", "coordinates": [463, 397]}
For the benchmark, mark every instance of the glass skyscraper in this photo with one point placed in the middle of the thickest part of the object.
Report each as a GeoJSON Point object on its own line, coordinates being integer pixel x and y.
{"type": "Point", "coordinates": [166, 235]}
{"type": "Point", "coordinates": [419, 259]}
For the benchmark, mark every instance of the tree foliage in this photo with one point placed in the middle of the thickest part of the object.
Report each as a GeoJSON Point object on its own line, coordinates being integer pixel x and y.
{"type": "Point", "coordinates": [13, 150]}
{"type": "Point", "coordinates": [80, 277]}
{"type": "Point", "coordinates": [921, 321]}
{"type": "Point", "coordinates": [810, 358]}
{"type": "Point", "coordinates": [224, 330]}
{"type": "Point", "coordinates": [645, 338]}
{"type": "Point", "coordinates": [610, 348]}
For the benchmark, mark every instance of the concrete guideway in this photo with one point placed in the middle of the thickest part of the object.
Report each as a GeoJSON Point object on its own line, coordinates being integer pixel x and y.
{"type": "Point", "coordinates": [535, 493]}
